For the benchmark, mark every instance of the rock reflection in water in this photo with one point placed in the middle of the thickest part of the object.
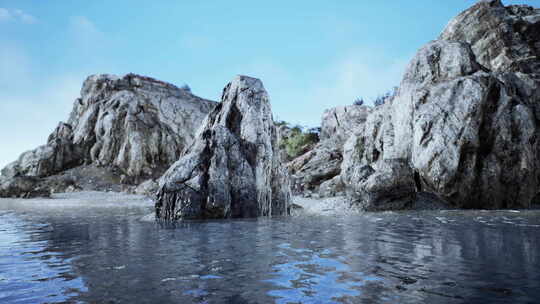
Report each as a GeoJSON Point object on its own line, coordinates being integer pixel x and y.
{"type": "Point", "coordinates": [29, 271]}
{"type": "Point", "coordinates": [313, 277]}
{"type": "Point", "coordinates": [108, 255]}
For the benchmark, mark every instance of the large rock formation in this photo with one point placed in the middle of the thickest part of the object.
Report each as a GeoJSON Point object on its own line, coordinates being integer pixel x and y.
{"type": "Point", "coordinates": [233, 169]}
{"type": "Point", "coordinates": [317, 170]}
{"type": "Point", "coordinates": [466, 116]}
{"type": "Point", "coordinates": [134, 125]}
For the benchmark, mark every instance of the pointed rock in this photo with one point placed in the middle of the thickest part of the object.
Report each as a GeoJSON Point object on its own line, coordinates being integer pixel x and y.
{"type": "Point", "coordinates": [233, 169]}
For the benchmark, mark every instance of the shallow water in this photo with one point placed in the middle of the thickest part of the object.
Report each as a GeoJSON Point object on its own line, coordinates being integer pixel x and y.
{"type": "Point", "coordinates": [57, 252]}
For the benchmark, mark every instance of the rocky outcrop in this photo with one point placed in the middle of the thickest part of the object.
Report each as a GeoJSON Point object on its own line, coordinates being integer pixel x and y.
{"type": "Point", "coordinates": [23, 187]}
{"type": "Point", "coordinates": [313, 168]}
{"type": "Point", "coordinates": [148, 187]}
{"type": "Point", "coordinates": [133, 125]}
{"type": "Point", "coordinates": [322, 164]}
{"type": "Point", "coordinates": [384, 185]}
{"type": "Point", "coordinates": [502, 38]}
{"type": "Point", "coordinates": [465, 118]}
{"type": "Point", "coordinates": [233, 169]}
{"type": "Point", "coordinates": [339, 123]}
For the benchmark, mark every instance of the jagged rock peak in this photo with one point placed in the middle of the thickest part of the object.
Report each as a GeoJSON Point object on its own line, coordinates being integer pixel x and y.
{"type": "Point", "coordinates": [464, 121]}
{"type": "Point", "coordinates": [233, 169]}
{"type": "Point", "coordinates": [502, 38]}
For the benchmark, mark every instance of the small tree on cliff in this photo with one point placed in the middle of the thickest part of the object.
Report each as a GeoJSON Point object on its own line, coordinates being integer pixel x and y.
{"type": "Point", "coordinates": [186, 88]}
{"type": "Point", "coordinates": [358, 101]}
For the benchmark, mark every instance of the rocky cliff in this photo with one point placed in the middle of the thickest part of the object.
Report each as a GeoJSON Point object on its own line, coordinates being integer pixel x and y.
{"type": "Point", "coordinates": [464, 123]}
{"type": "Point", "coordinates": [132, 126]}
{"type": "Point", "coordinates": [317, 171]}
{"type": "Point", "coordinates": [233, 168]}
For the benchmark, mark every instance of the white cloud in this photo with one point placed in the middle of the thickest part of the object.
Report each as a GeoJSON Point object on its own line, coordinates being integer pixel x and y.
{"type": "Point", "coordinates": [31, 104]}
{"type": "Point", "coordinates": [300, 97]}
{"type": "Point", "coordinates": [4, 15]}
{"type": "Point", "coordinates": [359, 74]}
{"type": "Point", "coordinates": [87, 38]}
{"type": "Point", "coordinates": [24, 17]}
{"type": "Point", "coordinates": [16, 15]}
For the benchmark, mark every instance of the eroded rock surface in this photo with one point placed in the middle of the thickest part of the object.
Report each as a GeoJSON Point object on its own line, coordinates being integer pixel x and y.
{"type": "Point", "coordinates": [133, 126]}
{"type": "Point", "coordinates": [234, 168]}
{"type": "Point", "coordinates": [315, 171]}
{"type": "Point", "coordinates": [339, 123]}
{"type": "Point", "coordinates": [465, 118]}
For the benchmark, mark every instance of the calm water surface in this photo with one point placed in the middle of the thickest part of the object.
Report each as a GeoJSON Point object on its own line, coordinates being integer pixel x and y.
{"type": "Point", "coordinates": [108, 255]}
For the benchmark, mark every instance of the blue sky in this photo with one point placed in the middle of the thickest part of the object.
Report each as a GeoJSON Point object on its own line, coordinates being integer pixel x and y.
{"type": "Point", "coordinates": [311, 55]}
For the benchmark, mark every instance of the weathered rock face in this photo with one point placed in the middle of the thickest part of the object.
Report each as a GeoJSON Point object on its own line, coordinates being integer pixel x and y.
{"type": "Point", "coordinates": [233, 169]}
{"type": "Point", "coordinates": [339, 123]}
{"type": "Point", "coordinates": [136, 124]}
{"type": "Point", "coordinates": [23, 187]}
{"type": "Point", "coordinates": [59, 153]}
{"type": "Point", "coordinates": [313, 168]}
{"type": "Point", "coordinates": [385, 185]}
{"type": "Point", "coordinates": [322, 164]}
{"type": "Point", "coordinates": [148, 187]}
{"type": "Point", "coordinates": [465, 118]}
{"type": "Point", "coordinates": [502, 38]}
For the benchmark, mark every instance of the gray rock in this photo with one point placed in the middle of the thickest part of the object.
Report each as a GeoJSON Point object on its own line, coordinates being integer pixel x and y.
{"type": "Point", "coordinates": [148, 187]}
{"type": "Point", "coordinates": [233, 169]}
{"type": "Point", "coordinates": [464, 118]}
{"type": "Point", "coordinates": [385, 185]}
{"type": "Point", "coordinates": [311, 169]}
{"type": "Point", "coordinates": [339, 123]}
{"type": "Point", "coordinates": [502, 38]}
{"type": "Point", "coordinates": [58, 154]}
{"type": "Point", "coordinates": [23, 187]}
{"type": "Point", "coordinates": [332, 187]}
{"type": "Point", "coordinates": [322, 164]}
{"type": "Point", "coordinates": [136, 124]}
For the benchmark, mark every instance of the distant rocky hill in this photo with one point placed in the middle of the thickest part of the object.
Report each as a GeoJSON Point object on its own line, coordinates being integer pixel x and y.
{"type": "Point", "coordinates": [122, 129]}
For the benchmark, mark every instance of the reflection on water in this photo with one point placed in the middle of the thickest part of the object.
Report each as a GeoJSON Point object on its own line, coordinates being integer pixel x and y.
{"type": "Point", "coordinates": [109, 255]}
{"type": "Point", "coordinates": [314, 277]}
{"type": "Point", "coordinates": [29, 272]}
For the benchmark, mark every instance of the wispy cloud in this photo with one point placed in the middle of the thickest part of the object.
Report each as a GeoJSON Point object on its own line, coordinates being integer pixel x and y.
{"type": "Point", "coordinates": [300, 99]}
{"type": "Point", "coordinates": [35, 104]}
{"type": "Point", "coordinates": [16, 15]}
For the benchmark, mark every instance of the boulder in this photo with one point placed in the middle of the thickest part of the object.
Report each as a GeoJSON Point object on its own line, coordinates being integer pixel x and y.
{"type": "Point", "coordinates": [311, 169]}
{"type": "Point", "coordinates": [385, 185]}
{"type": "Point", "coordinates": [465, 117]}
{"type": "Point", "coordinates": [148, 187]}
{"type": "Point", "coordinates": [23, 187]}
{"type": "Point", "coordinates": [233, 169]}
{"type": "Point", "coordinates": [332, 187]}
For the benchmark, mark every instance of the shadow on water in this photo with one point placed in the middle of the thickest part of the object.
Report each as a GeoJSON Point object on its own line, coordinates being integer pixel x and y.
{"type": "Point", "coordinates": [110, 255]}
